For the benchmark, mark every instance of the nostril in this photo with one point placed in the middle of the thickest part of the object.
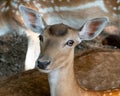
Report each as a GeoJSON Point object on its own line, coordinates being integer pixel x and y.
{"type": "Point", "coordinates": [43, 65]}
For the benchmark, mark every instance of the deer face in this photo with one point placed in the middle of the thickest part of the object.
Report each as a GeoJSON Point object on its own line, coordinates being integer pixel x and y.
{"type": "Point", "coordinates": [58, 41]}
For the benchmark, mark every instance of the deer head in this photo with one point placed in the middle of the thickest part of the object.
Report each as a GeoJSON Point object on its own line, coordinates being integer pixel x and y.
{"type": "Point", "coordinates": [58, 41]}
{"type": "Point", "coordinates": [57, 47]}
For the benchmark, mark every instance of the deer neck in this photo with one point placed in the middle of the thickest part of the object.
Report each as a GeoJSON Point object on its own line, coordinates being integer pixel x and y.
{"type": "Point", "coordinates": [62, 81]}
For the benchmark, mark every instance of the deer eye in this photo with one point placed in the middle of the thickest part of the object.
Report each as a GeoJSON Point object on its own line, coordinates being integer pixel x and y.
{"type": "Point", "coordinates": [70, 43]}
{"type": "Point", "coordinates": [41, 38]}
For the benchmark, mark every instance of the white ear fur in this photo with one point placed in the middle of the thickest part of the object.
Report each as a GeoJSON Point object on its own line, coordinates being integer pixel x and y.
{"type": "Point", "coordinates": [92, 28]}
{"type": "Point", "coordinates": [32, 19]}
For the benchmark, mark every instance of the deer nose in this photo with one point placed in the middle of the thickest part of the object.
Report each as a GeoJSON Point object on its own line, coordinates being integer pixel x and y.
{"type": "Point", "coordinates": [42, 65]}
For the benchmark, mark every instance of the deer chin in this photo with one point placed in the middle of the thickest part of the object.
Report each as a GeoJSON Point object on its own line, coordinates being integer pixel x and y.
{"type": "Point", "coordinates": [44, 70]}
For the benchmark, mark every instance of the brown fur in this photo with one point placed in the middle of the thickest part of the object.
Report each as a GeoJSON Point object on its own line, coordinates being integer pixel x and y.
{"type": "Point", "coordinates": [90, 75]}
{"type": "Point", "coordinates": [58, 30]}
{"type": "Point", "coordinates": [99, 68]}
{"type": "Point", "coordinates": [61, 71]}
{"type": "Point", "coordinates": [30, 83]}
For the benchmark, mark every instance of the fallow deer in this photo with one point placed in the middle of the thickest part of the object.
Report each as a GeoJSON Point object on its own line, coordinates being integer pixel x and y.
{"type": "Point", "coordinates": [57, 58]}
{"type": "Point", "coordinates": [70, 12]}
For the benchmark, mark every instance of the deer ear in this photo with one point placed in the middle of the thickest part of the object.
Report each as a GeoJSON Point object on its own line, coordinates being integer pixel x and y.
{"type": "Point", "coordinates": [32, 19]}
{"type": "Point", "coordinates": [92, 28]}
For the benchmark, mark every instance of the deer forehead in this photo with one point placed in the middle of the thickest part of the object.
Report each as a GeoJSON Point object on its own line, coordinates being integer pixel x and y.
{"type": "Point", "coordinates": [60, 31]}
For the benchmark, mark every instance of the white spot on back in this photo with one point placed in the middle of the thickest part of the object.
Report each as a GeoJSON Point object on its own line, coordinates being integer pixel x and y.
{"type": "Point", "coordinates": [4, 4]}
{"type": "Point", "coordinates": [17, 13]}
{"type": "Point", "coordinates": [28, 0]}
{"type": "Point", "coordinates": [14, 4]}
{"type": "Point", "coordinates": [34, 2]}
{"type": "Point", "coordinates": [43, 0]}
{"type": "Point", "coordinates": [114, 8]}
{"type": "Point", "coordinates": [45, 10]}
{"type": "Point", "coordinates": [13, 11]}
{"type": "Point", "coordinates": [16, 0]}
{"type": "Point", "coordinates": [52, 1]}
{"type": "Point", "coordinates": [57, 8]}
{"type": "Point", "coordinates": [4, 9]}
{"type": "Point", "coordinates": [38, 5]}
{"type": "Point", "coordinates": [68, 0]}
{"type": "Point", "coordinates": [7, 8]}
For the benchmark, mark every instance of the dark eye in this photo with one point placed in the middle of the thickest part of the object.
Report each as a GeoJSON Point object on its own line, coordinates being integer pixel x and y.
{"type": "Point", "coordinates": [41, 38]}
{"type": "Point", "coordinates": [70, 42]}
